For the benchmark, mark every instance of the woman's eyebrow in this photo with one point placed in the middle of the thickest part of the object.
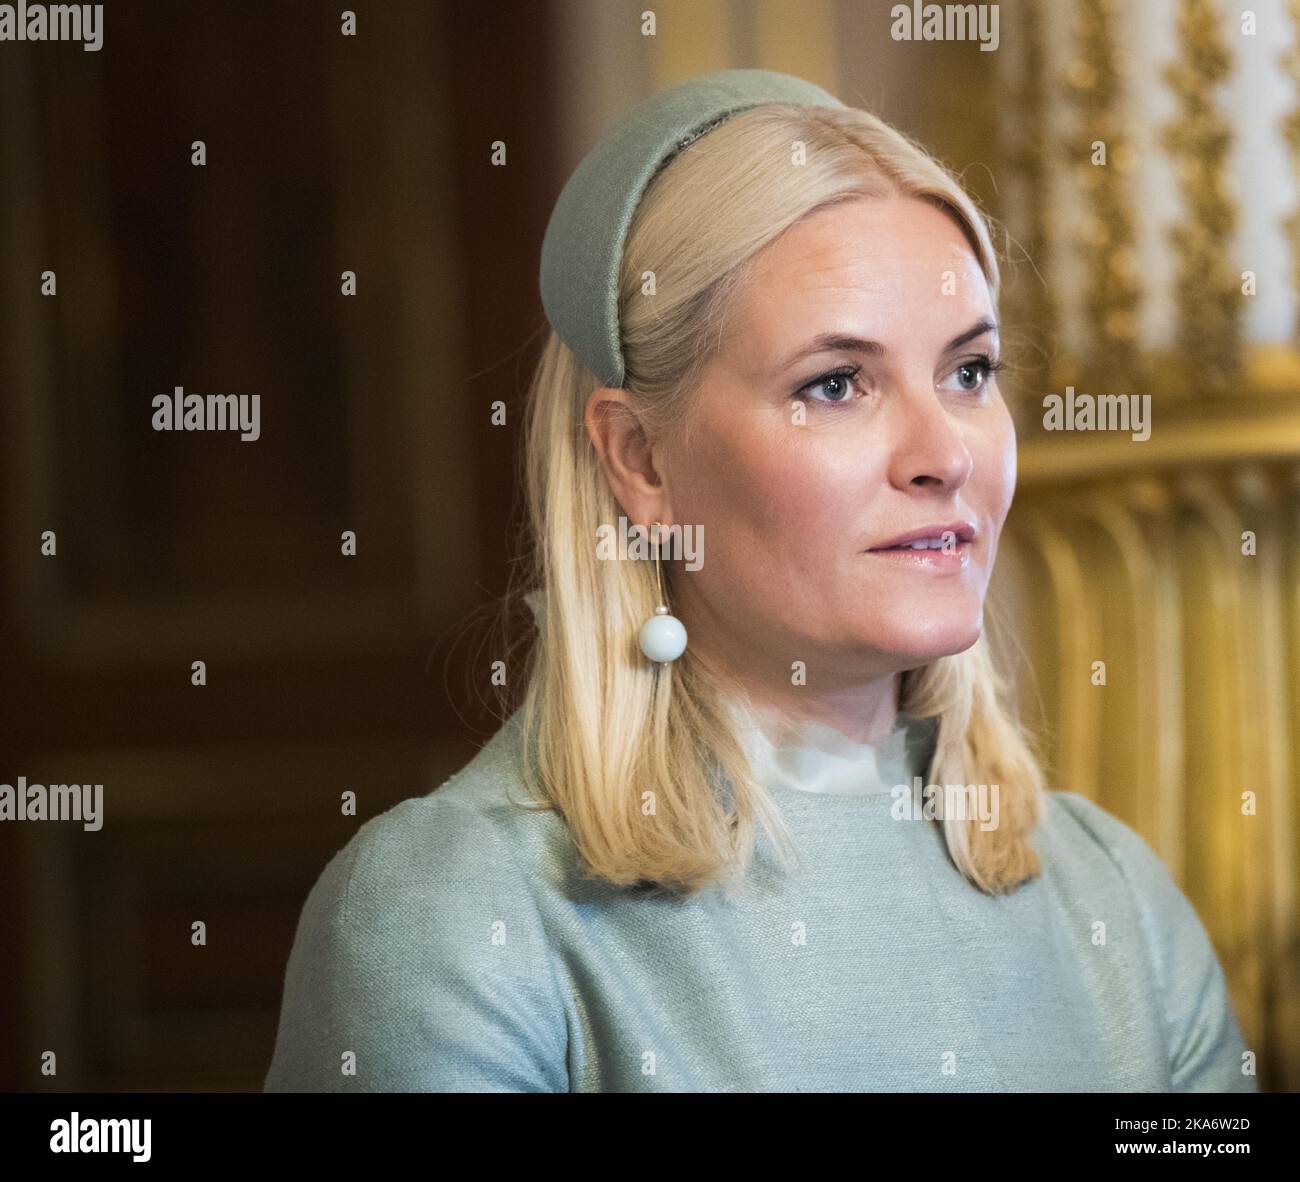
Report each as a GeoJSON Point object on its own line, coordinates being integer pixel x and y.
{"type": "Point", "coordinates": [978, 329]}
{"type": "Point", "coordinates": [838, 342]}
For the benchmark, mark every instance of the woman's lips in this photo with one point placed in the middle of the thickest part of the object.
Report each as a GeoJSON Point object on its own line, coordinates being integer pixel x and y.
{"type": "Point", "coordinates": [954, 558]}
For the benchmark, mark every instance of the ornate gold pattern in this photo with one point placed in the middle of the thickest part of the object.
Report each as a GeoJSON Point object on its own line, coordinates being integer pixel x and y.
{"type": "Point", "coordinates": [1107, 234]}
{"type": "Point", "coordinates": [1029, 301]}
{"type": "Point", "coordinates": [1209, 285]}
{"type": "Point", "coordinates": [1290, 127]}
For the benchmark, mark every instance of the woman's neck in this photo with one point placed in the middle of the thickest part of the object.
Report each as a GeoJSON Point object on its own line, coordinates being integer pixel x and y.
{"type": "Point", "coordinates": [862, 714]}
{"type": "Point", "coordinates": [863, 707]}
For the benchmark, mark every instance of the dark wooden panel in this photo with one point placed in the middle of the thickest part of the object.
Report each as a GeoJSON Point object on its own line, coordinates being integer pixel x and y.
{"type": "Point", "coordinates": [324, 673]}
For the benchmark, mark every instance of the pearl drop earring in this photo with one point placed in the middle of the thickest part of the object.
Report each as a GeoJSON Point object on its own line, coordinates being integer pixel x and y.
{"type": "Point", "coordinates": [663, 636]}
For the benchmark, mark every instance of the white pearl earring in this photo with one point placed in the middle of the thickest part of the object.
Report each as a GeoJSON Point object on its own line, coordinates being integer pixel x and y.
{"type": "Point", "coordinates": [663, 636]}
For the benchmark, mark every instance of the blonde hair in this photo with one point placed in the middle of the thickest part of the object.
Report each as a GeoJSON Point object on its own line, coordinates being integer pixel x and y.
{"type": "Point", "coordinates": [602, 726]}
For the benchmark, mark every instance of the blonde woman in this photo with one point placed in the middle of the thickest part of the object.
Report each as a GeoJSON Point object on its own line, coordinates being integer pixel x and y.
{"type": "Point", "coordinates": [705, 853]}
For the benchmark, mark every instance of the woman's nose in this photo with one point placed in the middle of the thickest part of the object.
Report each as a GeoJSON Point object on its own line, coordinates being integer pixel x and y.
{"type": "Point", "coordinates": [929, 442]}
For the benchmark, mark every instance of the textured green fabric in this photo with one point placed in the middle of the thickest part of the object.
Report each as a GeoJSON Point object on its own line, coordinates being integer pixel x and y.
{"type": "Point", "coordinates": [583, 246]}
{"type": "Point", "coordinates": [453, 945]}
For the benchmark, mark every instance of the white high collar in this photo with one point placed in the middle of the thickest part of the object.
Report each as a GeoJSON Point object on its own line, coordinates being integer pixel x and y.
{"type": "Point", "coordinates": [815, 757]}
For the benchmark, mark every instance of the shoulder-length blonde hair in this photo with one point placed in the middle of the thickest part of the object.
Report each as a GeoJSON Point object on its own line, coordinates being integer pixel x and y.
{"type": "Point", "coordinates": [605, 730]}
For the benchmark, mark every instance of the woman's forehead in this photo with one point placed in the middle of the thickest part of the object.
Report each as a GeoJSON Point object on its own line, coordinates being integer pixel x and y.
{"type": "Point", "coordinates": [851, 242]}
{"type": "Point", "coordinates": [836, 277]}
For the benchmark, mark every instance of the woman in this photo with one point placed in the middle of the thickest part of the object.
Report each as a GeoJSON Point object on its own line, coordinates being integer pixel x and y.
{"type": "Point", "coordinates": [775, 332]}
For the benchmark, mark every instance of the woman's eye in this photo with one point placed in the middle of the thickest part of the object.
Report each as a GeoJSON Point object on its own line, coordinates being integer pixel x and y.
{"type": "Point", "coordinates": [975, 374]}
{"type": "Point", "coordinates": [838, 386]}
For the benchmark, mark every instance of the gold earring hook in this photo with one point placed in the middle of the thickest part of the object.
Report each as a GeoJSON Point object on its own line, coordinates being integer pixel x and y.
{"type": "Point", "coordinates": [659, 570]}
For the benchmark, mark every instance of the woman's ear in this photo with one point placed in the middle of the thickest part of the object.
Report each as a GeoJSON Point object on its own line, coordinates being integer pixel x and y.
{"type": "Point", "coordinates": [626, 456]}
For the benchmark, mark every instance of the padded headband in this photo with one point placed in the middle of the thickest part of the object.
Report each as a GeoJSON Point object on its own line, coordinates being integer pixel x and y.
{"type": "Point", "coordinates": [583, 247]}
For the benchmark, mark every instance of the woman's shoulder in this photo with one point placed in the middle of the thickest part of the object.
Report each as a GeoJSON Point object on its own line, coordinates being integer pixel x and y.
{"type": "Point", "coordinates": [1111, 879]}
{"type": "Point", "coordinates": [462, 854]}
{"type": "Point", "coordinates": [478, 821]}
{"type": "Point", "coordinates": [1103, 866]}
{"type": "Point", "coordinates": [1091, 828]}
{"type": "Point", "coordinates": [1085, 842]}
{"type": "Point", "coordinates": [421, 944]}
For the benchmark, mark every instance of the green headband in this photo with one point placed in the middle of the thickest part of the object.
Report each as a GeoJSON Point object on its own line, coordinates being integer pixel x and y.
{"type": "Point", "coordinates": [583, 247]}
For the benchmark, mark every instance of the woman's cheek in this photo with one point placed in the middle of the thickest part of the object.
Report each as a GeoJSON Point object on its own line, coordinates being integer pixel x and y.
{"type": "Point", "coordinates": [995, 467]}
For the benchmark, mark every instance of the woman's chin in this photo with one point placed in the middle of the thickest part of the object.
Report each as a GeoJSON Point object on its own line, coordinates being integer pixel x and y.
{"type": "Point", "coordinates": [919, 641]}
